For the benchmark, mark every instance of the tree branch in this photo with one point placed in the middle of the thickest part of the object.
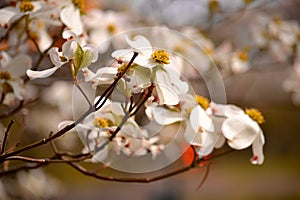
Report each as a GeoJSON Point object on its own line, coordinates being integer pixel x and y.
{"type": "Point", "coordinates": [6, 136]}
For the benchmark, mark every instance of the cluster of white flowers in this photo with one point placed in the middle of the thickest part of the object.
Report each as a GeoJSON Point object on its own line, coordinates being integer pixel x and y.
{"type": "Point", "coordinates": [207, 125]}
{"type": "Point", "coordinates": [72, 37]}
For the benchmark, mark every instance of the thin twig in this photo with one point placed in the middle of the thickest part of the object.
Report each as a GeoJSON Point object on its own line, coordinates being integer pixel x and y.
{"type": "Point", "coordinates": [127, 180]}
{"type": "Point", "coordinates": [49, 160]}
{"type": "Point", "coordinates": [194, 156]}
{"type": "Point", "coordinates": [204, 177]}
{"type": "Point", "coordinates": [110, 89]}
{"type": "Point", "coordinates": [152, 179]}
{"type": "Point", "coordinates": [6, 136]}
{"type": "Point", "coordinates": [34, 42]}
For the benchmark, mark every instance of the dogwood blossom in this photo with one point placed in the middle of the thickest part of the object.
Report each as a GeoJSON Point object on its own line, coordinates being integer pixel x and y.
{"type": "Point", "coordinates": [79, 57]}
{"type": "Point", "coordinates": [102, 26]}
{"type": "Point", "coordinates": [241, 129]}
{"type": "Point", "coordinates": [168, 84]}
{"type": "Point", "coordinates": [131, 140]}
{"type": "Point", "coordinates": [11, 71]}
{"type": "Point", "coordinates": [70, 13]}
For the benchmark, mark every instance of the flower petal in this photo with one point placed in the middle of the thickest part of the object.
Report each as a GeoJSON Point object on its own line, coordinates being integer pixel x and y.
{"type": "Point", "coordinates": [181, 87]}
{"type": "Point", "coordinates": [69, 48]}
{"type": "Point", "coordinates": [257, 149]}
{"type": "Point", "coordinates": [18, 88]}
{"type": "Point", "coordinates": [164, 89]}
{"type": "Point", "coordinates": [192, 137]}
{"type": "Point", "coordinates": [70, 16]}
{"type": "Point", "coordinates": [140, 44]}
{"type": "Point", "coordinates": [55, 56]}
{"type": "Point", "coordinates": [6, 14]}
{"type": "Point", "coordinates": [208, 144]}
{"type": "Point", "coordinates": [225, 110]}
{"type": "Point", "coordinates": [199, 119]}
{"type": "Point", "coordinates": [18, 65]}
{"type": "Point", "coordinates": [165, 95]}
{"type": "Point", "coordinates": [163, 116]}
{"type": "Point", "coordinates": [240, 131]}
{"type": "Point", "coordinates": [41, 74]}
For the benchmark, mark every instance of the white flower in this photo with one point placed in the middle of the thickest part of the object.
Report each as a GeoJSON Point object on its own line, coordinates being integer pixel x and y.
{"type": "Point", "coordinates": [202, 128]}
{"type": "Point", "coordinates": [132, 146]}
{"type": "Point", "coordinates": [131, 140]}
{"type": "Point", "coordinates": [162, 115]}
{"type": "Point", "coordinates": [10, 14]}
{"type": "Point", "coordinates": [136, 79]}
{"type": "Point", "coordinates": [39, 18]}
{"type": "Point", "coordinates": [241, 129]}
{"type": "Point", "coordinates": [239, 62]}
{"type": "Point", "coordinates": [71, 51]}
{"type": "Point", "coordinates": [11, 72]}
{"type": "Point", "coordinates": [70, 13]}
{"type": "Point", "coordinates": [200, 131]}
{"type": "Point", "coordinates": [101, 26]}
{"type": "Point", "coordinates": [168, 84]}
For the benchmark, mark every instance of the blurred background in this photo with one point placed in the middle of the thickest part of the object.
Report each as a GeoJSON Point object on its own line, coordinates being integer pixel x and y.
{"type": "Point", "coordinates": [265, 75]}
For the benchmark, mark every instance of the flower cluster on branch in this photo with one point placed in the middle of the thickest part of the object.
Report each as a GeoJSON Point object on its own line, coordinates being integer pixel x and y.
{"type": "Point", "coordinates": [129, 86]}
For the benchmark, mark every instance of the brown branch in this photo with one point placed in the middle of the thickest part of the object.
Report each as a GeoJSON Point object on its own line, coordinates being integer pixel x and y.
{"type": "Point", "coordinates": [34, 42]}
{"type": "Point", "coordinates": [67, 128]}
{"type": "Point", "coordinates": [197, 163]}
{"type": "Point", "coordinates": [39, 143]}
{"type": "Point", "coordinates": [110, 89]}
{"type": "Point", "coordinates": [204, 177]}
{"type": "Point", "coordinates": [128, 180]}
{"type": "Point", "coordinates": [6, 136]}
{"type": "Point", "coordinates": [60, 159]}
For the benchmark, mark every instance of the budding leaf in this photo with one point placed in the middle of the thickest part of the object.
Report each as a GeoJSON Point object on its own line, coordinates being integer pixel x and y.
{"type": "Point", "coordinates": [82, 59]}
{"type": "Point", "coordinates": [78, 59]}
{"type": "Point", "coordinates": [87, 59]}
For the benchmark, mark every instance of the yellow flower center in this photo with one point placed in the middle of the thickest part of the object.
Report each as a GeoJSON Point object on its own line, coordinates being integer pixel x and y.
{"type": "Point", "coordinates": [26, 6]}
{"type": "Point", "coordinates": [123, 67]}
{"type": "Point", "coordinates": [214, 6]}
{"type": "Point", "coordinates": [242, 55]}
{"type": "Point", "coordinates": [277, 20]}
{"type": "Point", "coordinates": [79, 4]}
{"type": "Point", "coordinates": [111, 28]}
{"type": "Point", "coordinates": [6, 88]}
{"type": "Point", "coordinates": [160, 56]}
{"type": "Point", "coordinates": [5, 75]}
{"type": "Point", "coordinates": [101, 122]}
{"type": "Point", "coordinates": [208, 51]}
{"type": "Point", "coordinates": [256, 115]}
{"type": "Point", "coordinates": [202, 101]}
{"type": "Point", "coordinates": [248, 1]}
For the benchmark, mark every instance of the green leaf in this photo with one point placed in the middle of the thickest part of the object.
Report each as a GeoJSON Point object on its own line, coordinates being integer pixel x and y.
{"type": "Point", "coordinates": [87, 59]}
{"type": "Point", "coordinates": [82, 59]}
{"type": "Point", "coordinates": [79, 53]}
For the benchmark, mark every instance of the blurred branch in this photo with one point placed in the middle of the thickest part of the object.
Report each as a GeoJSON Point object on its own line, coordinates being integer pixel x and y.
{"type": "Point", "coordinates": [6, 136]}
{"type": "Point", "coordinates": [204, 177]}
{"type": "Point", "coordinates": [27, 166]}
